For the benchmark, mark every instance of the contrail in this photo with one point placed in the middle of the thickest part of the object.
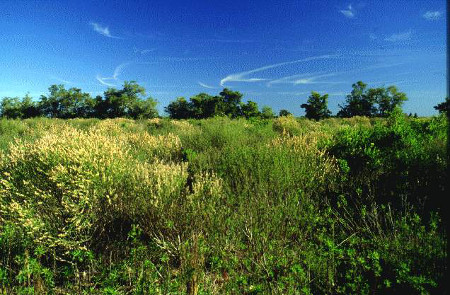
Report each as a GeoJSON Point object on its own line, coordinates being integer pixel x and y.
{"type": "Point", "coordinates": [206, 86]}
{"type": "Point", "coordinates": [240, 77]}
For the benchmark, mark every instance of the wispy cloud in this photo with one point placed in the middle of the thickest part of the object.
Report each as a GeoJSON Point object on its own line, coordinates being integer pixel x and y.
{"type": "Point", "coordinates": [103, 79]}
{"type": "Point", "coordinates": [242, 77]}
{"type": "Point", "coordinates": [312, 78]}
{"type": "Point", "coordinates": [405, 36]}
{"type": "Point", "coordinates": [312, 81]}
{"type": "Point", "coordinates": [206, 86]}
{"type": "Point", "coordinates": [290, 79]}
{"type": "Point", "coordinates": [305, 78]}
{"type": "Point", "coordinates": [109, 81]}
{"type": "Point", "coordinates": [60, 80]}
{"type": "Point", "coordinates": [117, 71]}
{"type": "Point", "coordinates": [349, 12]}
{"type": "Point", "coordinates": [432, 15]}
{"type": "Point", "coordinates": [102, 30]}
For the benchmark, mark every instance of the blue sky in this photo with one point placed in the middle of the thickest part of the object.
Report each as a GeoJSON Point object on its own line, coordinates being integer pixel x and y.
{"type": "Point", "coordinates": [275, 52]}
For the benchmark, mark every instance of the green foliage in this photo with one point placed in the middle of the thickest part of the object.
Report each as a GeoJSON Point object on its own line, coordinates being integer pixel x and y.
{"type": "Point", "coordinates": [317, 106]}
{"type": "Point", "coordinates": [13, 108]}
{"type": "Point", "coordinates": [227, 103]}
{"type": "Point", "coordinates": [358, 102]}
{"type": "Point", "coordinates": [443, 106]}
{"type": "Point", "coordinates": [284, 113]}
{"type": "Point", "coordinates": [388, 99]}
{"type": "Point", "coordinates": [267, 112]}
{"type": "Point", "coordinates": [250, 110]}
{"type": "Point", "coordinates": [223, 206]}
{"type": "Point", "coordinates": [73, 103]}
{"type": "Point", "coordinates": [362, 101]}
{"type": "Point", "coordinates": [403, 158]}
{"type": "Point", "coordinates": [127, 102]}
{"type": "Point", "coordinates": [65, 104]}
{"type": "Point", "coordinates": [179, 109]}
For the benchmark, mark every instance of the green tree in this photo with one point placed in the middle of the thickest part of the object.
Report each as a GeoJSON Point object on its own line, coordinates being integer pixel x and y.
{"type": "Point", "coordinates": [143, 109]}
{"type": "Point", "coordinates": [11, 108]}
{"type": "Point", "coordinates": [14, 108]}
{"type": "Point", "coordinates": [284, 113]}
{"type": "Point", "coordinates": [443, 107]}
{"type": "Point", "coordinates": [250, 109]}
{"type": "Point", "coordinates": [29, 108]}
{"type": "Point", "coordinates": [358, 102]}
{"type": "Point", "coordinates": [179, 109]}
{"type": "Point", "coordinates": [127, 102]}
{"type": "Point", "coordinates": [387, 99]}
{"type": "Point", "coordinates": [316, 107]}
{"type": "Point", "coordinates": [267, 112]}
{"type": "Point", "coordinates": [231, 102]}
{"type": "Point", "coordinates": [204, 106]}
{"type": "Point", "coordinates": [63, 103]}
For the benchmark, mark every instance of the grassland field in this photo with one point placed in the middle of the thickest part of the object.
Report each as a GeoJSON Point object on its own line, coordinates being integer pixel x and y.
{"type": "Point", "coordinates": [222, 206]}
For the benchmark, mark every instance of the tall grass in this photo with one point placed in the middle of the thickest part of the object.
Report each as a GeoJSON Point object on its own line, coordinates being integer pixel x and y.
{"type": "Point", "coordinates": [222, 206]}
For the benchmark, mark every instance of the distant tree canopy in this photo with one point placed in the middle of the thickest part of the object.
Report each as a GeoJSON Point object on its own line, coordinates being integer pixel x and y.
{"type": "Point", "coordinates": [131, 102]}
{"type": "Point", "coordinates": [267, 112]}
{"type": "Point", "coordinates": [64, 103]}
{"type": "Point", "coordinates": [316, 107]}
{"type": "Point", "coordinates": [443, 107]}
{"type": "Point", "coordinates": [284, 113]}
{"type": "Point", "coordinates": [362, 101]}
{"type": "Point", "coordinates": [14, 108]}
{"type": "Point", "coordinates": [200, 106]}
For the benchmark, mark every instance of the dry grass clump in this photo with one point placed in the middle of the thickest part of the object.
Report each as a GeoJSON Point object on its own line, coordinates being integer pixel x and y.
{"type": "Point", "coordinates": [292, 126]}
{"type": "Point", "coordinates": [185, 128]}
{"type": "Point", "coordinates": [318, 166]}
{"type": "Point", "coordinates": [69, 185]}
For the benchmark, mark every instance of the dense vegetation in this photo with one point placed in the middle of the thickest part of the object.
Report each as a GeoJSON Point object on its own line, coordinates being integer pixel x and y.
{"type": "Point", "coordinates": [222, 206]}
{"type": "Point", "coordinates": [130, 102]}
{"type": "Point", "coordinates": [61, 103]}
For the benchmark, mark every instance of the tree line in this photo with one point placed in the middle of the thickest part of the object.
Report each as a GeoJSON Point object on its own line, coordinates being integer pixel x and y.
{"type": "Point", "coordinates": [362, 101]}
{"type": "Point", "coordinates": [227, 103]}
{"type": "Point", "coordinates": [131, 102]}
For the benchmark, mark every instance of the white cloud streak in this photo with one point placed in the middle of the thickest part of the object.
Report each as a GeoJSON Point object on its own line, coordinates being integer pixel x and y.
{"type": "Point", "coordinates": [102, 81]}
{"type": "Point", "coordinates": [311, 78]}
{"type": "Point", "coordinates": [349, 12]}
{"type": "Point", "coordinates": [405, 36]}
{"type": "Point", "coordinates": [206, 86]}
{"type": "Point", "coordinates": [305, 78]}
{"type": "Point", "coordinates": [241, 77]}
{"type": "Point", "coordinates": [102, 30]}
{"type": "Point", "coordinates": [117, 72]}
{"type": "Point", "coordinates": [432, 15]}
